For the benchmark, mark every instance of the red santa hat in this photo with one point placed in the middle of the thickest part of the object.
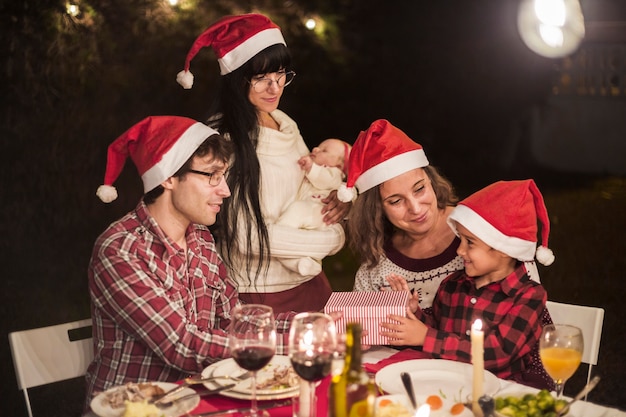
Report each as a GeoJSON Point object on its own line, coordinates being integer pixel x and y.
{"type": "Point", "coordinates": [158, 145]}
{"type": "Point", "coordinates": [504, 216]}
{"type": "Point", "coordinates": [235, 39]}
{"type": "Point", "coordinates": [380, 153]}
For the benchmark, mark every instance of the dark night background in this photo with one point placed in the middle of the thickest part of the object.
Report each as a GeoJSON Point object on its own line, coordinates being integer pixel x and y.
{"type": "Point", "coordinates": [453, 74]}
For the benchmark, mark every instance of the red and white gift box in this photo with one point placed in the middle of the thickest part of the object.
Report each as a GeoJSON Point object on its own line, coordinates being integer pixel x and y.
{"type": "Point", "coordinates": [369, 308]}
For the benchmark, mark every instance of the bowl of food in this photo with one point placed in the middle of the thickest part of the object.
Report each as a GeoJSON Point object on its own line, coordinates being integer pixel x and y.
{"type": "Point", "coordinates": [528, 404]}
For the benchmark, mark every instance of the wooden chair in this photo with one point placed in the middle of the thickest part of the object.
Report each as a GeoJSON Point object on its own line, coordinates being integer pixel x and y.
{"type": "Point", "coordinates": [589, 320]}
{"type": "Point", "coordinates": [49, 354]}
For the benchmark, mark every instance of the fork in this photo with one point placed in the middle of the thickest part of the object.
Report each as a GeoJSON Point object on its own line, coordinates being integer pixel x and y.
{"type": "Point", "coordinates": [194, 380]}
{"type": "Point", "coordinates": [166, 404]}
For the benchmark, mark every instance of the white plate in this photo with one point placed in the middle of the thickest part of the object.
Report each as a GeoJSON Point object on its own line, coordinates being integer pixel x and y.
{"type": "Point", "coordinates": [179, 408]}
{"type": "Point", "coordinates": [444, 411]}
{"type": "Point", "coordinates": [242, 389]}
{"type": "Point", "coordinates": [434, 376]}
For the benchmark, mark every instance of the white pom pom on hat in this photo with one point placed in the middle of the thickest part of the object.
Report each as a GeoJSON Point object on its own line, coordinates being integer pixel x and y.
{"type": "Point", "coordinates": [185, 78]}
{"type": "Point", "coordinates": [346, 194]}
{"type": "Point", "coordinates": [504, 216]}
{"type": "Point", "coordinates": [107, 193]}
{"type": "Point", "coordinates": [234, 39]}
{"type": "Point", "coordinates": [544, 256]}
{"type": "Point", "coordinates": [380, 153]}
{"type": "Point", "coordinates": [158, 145]}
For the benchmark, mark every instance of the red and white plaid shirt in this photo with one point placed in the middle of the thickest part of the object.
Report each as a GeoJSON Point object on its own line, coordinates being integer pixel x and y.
{"type": "Point", "coordinates": [511, 311]}
{"type": "Point", "coordinates": [158, 314]}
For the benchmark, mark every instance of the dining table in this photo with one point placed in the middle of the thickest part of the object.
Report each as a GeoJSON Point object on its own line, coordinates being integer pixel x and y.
{"type": "Point", "coordinates": [374, 359]}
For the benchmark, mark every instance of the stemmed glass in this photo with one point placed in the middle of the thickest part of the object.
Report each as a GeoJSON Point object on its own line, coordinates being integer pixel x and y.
{"type": "Point", "coordinates": [252, 339]}
{"type": "Point", "coordinates": [561, 350]}
{"type": "Point", "coordinates": [312, 347]}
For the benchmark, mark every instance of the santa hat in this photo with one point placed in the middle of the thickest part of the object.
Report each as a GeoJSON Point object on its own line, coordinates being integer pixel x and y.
{"type": "Point", "coordinates": [380, 153]}
{"type": "Point", "coordinates": [235, 39]}
{"type": "Point", "coordinates": [158, 145]}
{"type": "Point", "coordinates": [504, 216]}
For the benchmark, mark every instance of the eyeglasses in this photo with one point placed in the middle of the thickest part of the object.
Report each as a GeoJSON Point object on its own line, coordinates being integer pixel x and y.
{"type": "Point", "coordinates": [283, 80]}
{"type": "Point", "coordinates": [215, 178]}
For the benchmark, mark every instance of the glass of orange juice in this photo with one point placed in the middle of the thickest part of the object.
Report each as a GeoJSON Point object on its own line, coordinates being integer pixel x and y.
{"type": "Point", "coordinates": [561, 350]}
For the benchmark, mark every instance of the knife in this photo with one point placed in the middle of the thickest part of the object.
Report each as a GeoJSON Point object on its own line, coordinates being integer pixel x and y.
{"type": "Point", "coordinates": [408, 386]}
{"type": "Point", "coordinates": [242, 409]}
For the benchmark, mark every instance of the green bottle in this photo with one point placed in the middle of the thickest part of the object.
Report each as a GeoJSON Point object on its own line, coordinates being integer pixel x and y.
{"type": "Point", "coordinates": [353, 392]}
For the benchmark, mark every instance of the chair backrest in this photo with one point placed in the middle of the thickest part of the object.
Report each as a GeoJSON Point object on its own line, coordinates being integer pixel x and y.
{"type": "Point", "coordinates": [50, 354]}
{"type": "Point", "coordinates": [588, 319]}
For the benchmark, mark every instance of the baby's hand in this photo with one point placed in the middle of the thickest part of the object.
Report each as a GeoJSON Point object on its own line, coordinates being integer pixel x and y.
{"type": "Point", "coordinates": [305, 163]}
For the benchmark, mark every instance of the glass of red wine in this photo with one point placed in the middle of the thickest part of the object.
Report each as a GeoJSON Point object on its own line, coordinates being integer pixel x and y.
{"type": "Point", "coordinates": [312, 347]}
{"type": "Point", "coordinates": [252, 339]}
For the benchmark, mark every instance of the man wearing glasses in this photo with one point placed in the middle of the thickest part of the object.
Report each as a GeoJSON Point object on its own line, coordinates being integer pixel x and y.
{"type": "Point", "coordinates": [161, 297]}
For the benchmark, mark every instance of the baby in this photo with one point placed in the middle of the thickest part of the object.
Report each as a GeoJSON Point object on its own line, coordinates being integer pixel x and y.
{"type": "Point", "coordinates": [324, 171]}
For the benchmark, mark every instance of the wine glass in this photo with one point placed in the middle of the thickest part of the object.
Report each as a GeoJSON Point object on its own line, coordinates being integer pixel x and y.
{"type": "Point", "coordinates": [252, 339]}
{"type": "Point", "coordinates": [312, 346]}
{"type": "Point", "coordinates": [560, 350]}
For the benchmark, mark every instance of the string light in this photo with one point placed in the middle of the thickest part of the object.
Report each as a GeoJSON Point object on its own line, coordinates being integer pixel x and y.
{"type": "Point", "coordinates": [72, 9]}
{"type": "Point", "coordinates": [310, 24]}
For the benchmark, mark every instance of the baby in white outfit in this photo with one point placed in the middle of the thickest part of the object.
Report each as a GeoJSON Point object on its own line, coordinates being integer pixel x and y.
{"type": "Point", "coordinates": [324, 172]}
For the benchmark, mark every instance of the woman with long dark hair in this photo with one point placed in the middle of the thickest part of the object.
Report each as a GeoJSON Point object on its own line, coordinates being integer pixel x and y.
{"type": "Point", "coordinates": [264, 176]}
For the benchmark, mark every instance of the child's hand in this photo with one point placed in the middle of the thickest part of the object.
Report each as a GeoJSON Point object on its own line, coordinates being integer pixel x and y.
{"type": "Point", "coordinates": [305, 163]}
{"type": "Point", "coordinates": [404, 330]}
{"type": "Point", "coordinates": [398, 283]}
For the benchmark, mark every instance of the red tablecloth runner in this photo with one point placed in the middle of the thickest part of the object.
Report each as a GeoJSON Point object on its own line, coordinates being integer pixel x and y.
{"type": "Point", "coordinates": [219, 402]}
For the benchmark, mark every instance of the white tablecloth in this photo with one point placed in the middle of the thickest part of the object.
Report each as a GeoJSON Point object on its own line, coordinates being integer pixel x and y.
{"type": "Point", "coordinates": [579, 408]}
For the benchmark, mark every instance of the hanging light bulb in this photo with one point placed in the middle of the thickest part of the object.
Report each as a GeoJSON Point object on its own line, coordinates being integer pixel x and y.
{"type": "Point", "coordinates": [551, 28]}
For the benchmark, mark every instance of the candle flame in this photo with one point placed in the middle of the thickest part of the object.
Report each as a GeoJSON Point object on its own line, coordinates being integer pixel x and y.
{"type": "Point", "coordinates": [423, 411]}
{"type": "Point", "coordinates": [478, 325]}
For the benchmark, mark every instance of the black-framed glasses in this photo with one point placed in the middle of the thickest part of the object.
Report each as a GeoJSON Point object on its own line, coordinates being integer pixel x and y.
{"type": "Point", "coordinates": [215, 178]}
{"type": "Point", "coordinates": [262, 84]}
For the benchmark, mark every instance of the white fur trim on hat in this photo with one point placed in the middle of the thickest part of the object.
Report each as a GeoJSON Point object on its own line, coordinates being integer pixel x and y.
{"type": "Point", "coordinates": [177, 155]}
{"type": "Point", "coordinates": [185, 78]}
{"type": "Point", "coordinates": [391, 168]}
{"type": "Point", "coordinates": [249, 48]}
{"type": "Point", "coordinates": [107, 193]}
{"type": "Point", "coordinates": [517, 248]}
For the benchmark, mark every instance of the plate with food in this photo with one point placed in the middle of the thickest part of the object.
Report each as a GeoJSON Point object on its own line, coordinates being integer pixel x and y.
{"type": "Point", "coordinates": [397, 405]}
{"type": "Point", "coordinates": [277, 380]}
{"type": "Point", "coordinates": [114, 401]}
{"type": "Point", "coordinates": [448, 379]}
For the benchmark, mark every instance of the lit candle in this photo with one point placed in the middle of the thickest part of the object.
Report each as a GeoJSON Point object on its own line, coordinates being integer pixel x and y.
{"type": "Point", "coordinates": [478, 362]}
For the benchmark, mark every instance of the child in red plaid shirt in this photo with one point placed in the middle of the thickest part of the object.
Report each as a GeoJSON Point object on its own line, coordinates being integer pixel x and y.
{"type": "Point", "coordinates": [498, 230]}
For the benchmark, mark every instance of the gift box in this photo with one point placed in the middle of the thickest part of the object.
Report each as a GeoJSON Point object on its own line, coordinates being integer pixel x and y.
{"type": "Point", "coordinates": [369, 308]}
